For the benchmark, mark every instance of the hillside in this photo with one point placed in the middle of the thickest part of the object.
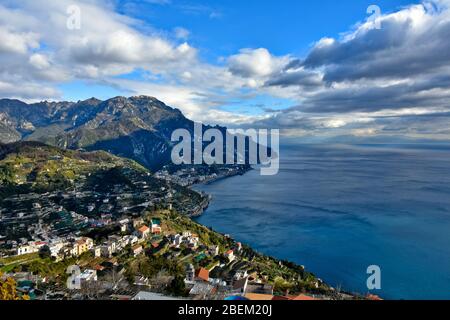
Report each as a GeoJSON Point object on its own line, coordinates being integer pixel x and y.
{"type": "Point", "coordinates": [39, 166]}
{"type": "Point", "coordinates": [38, 181]}
{"type": "Point", "coordinates": [138, 128]}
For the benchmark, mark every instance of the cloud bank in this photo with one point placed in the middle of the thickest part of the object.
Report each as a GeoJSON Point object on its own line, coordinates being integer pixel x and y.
{"type": "Point", "coordinates": [394, 80]}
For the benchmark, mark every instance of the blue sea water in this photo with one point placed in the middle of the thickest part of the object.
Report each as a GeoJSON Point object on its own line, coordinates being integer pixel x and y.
{"type": "Point", "coordinates": [339, 209]}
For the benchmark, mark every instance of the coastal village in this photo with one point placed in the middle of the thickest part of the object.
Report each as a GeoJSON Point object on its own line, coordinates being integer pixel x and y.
{"type": "Point", "coordinates": [96, 228]}
{"type": "Point", "coordinates": [218, 268]}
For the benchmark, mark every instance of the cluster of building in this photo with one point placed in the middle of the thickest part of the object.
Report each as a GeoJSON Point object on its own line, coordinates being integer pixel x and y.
{"type": "Point", "coordinates": [90, 207]}
{"type": "Point", "coordinates": [188, 176]}
{"type": "Point", "coordinates": [191, 240]}
{"type": "Point", "coordinates": [61, 248]}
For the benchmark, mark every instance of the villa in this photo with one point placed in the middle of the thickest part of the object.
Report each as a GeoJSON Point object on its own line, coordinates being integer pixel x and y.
{"type": "Point", "coordinates": [144, 232]}
{"type": "Point", "coordinates": [229, 255]}
{"type": "Point", "coordinates": [156, 226]}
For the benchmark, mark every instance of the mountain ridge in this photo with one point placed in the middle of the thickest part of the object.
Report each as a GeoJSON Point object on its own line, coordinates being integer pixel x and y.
{"type": "Point", "coordinates": [138, 127]}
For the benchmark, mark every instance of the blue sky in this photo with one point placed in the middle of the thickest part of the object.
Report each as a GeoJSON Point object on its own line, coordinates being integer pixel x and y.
{"type": "Point", "coordinates": [310, 68]}
{"type": "Point", "coordinates": [284, 27]}
{"type": "Point", "coordinates": [221, 28]}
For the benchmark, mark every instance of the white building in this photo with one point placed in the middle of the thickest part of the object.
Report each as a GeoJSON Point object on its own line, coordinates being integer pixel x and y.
{"type": "Point", "coordinates": [86, 276]}
{"type": "Point", "coordinates": [26, 249]}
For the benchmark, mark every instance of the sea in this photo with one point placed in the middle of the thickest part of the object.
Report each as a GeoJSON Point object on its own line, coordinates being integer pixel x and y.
{"type": "Point", "coordinates": [338, 209]}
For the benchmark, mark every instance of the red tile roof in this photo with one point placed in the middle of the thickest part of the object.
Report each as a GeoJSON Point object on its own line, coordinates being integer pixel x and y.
{"type": "Point", "coordinates": [202, 274]}
{"type": "Point", "coordinates": [258, 296]}
{"type": "Point", "coordinates": [144, 229]}
{"type": "Point", "coordinates": [304, 298]}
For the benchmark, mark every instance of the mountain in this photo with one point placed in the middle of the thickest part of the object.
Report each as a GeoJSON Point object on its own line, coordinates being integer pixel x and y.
{"type": "Point", "coordinates": [138, 128]}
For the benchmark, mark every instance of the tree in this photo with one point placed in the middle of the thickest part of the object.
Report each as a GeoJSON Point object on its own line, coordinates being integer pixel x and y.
{"type": "Point", "coordinates": [45, 252]}
{"type": "Point", "coordinates": [177, 286]}
{"type": "Point", "coordinates": [8, 289]}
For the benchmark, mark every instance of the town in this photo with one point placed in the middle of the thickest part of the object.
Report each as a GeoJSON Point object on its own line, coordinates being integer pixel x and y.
{"type": "Point", "coordinates": [154, 257]}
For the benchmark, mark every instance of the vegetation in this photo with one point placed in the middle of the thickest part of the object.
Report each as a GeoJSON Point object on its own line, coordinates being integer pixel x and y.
{"type": "Point", "coordinates": [8, 289]}
{"type": "Point", "coordinates": [44, 168]}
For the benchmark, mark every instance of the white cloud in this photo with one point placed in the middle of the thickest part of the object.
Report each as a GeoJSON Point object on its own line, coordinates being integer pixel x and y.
{"type": "Point", "coordinates": [28, 92]}
{"type": "Point", "coordinates": [382, 79]}
{"type": "Point", "coordinates": [39, 61]}
{"type": "Point", "coordinates": [16, 42]}
{"type": "Point", "coordinates": [256, 63]}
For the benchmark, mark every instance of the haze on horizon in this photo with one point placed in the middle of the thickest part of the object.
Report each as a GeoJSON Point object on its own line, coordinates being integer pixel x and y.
{"type": "Point", "coordinates": [321, 70]}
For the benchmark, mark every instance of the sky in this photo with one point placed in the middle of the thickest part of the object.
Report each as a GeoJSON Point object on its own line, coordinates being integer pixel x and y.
{"type": "Point", "coordinates": [313, 69]}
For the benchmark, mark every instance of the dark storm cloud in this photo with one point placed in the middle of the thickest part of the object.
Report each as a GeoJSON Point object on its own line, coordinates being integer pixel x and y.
{"type": "Point", "coordinates": [405, 64]}
{"type": "Point", "coordinates": [410, 43]}
{"type": "Point", "coordinates": [300, 78]}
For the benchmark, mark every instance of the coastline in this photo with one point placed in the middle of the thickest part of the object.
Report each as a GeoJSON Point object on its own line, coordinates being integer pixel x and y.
{"type": "Point", "coordinates": [207, 198]}
{"type": "Point", "coordinates": [194, 217]}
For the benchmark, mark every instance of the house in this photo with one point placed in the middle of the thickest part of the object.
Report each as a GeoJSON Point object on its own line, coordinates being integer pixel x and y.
{"type": "Point", "coordinates": [39, 244]}
{"type": "Point", "coordinates": [69, 251]}
{"type": "Point", "coordinates": [187, 234]}
{"type": "Point", "coordinates": [202, 275]}
{"type": "Point", "coordinates": [26, 249]}
{"type": "Point", "coordinates": [107, 250]}
{"type": "Point", "coordinates": [138, 222]}
{"type": "Point", "coordinates": [124, 221]}
{"type": "Point", "coordinates": [192, 243]}
{"type": "Point", "coordinates": [229, 255]}
{"type": "Point", "coordinates": [131, 239]}
{"type": "Point", "coordinates": [240, 274]}
{"type": "Point", "coordinates": [177, 240]}
{"type": "Point", "coordinates": [191, 240]}
{"type": "Point", "coordinates": [156, 226]}
{"type": "Point", "coordinates": [31, 247]}
{"type": "Point", "coordinates": [259, 288]}
{"type": "Point", "coordinates": [213, 250]}
{"type": "Point", "coordinates": [144, 232]}
{"type": "Point", "coordinates": [155, 245]}
{"type": "Point", "coordinates": [97, 251]}
{"type": "Point", "coordinates": [137, 250]}
{"type": "Point", "coordinates": [258, 296]}
{"type": "Point", "coordinates": [116, 242]}
{"type": "Point", "coordinates": [83, 245]}
{"type": "Point", "coordinates": [55, 249]}
{"type": "Point", "coordinates": [240, 286]}
{"type": "Point", "coordinates": [87, 276]}
{"type": "Point", "coordinates": [202, 290]}
{"type": "Point", "coordinates": [190, 273]}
